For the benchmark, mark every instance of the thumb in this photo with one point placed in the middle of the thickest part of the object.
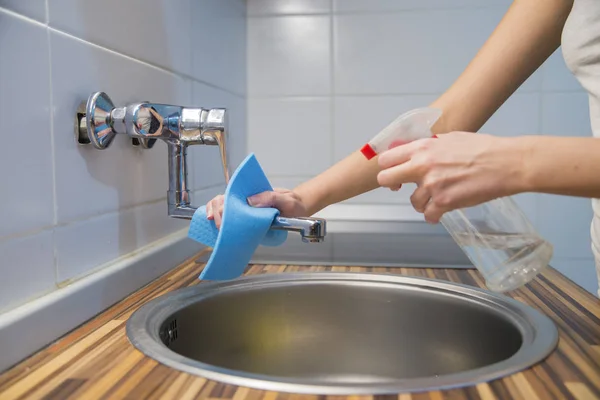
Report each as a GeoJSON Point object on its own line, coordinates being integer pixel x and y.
{"type": "Point", "coordinates": [264, 199]}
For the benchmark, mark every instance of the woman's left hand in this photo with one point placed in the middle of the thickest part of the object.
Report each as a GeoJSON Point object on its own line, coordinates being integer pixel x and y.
{"type": "Point", "coordinates": [456, 170]}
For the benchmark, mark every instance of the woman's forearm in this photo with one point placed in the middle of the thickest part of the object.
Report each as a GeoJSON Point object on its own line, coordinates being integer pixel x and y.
{"type": "Point", "coordinates": [348, 178]}
{"type": "Point", "coordinates": [561, 165]}
{"type": "Point", "coordinates": [527, 35]}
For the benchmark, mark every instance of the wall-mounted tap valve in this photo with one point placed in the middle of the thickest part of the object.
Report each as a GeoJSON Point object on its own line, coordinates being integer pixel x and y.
{"type": "Point", "coordinates": [98, 121]}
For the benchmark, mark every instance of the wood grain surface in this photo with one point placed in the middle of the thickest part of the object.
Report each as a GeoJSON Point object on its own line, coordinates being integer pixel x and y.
{"type": "Point", "coordinates": [96, 361]}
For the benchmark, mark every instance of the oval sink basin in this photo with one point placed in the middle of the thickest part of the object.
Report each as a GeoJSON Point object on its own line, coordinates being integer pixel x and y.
{"type": "Point", "coordinates": [341, 333]}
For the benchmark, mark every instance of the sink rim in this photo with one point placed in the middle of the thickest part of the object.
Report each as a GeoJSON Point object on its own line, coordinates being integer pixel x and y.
{"type": "Point", "coordinates": [539, 334]}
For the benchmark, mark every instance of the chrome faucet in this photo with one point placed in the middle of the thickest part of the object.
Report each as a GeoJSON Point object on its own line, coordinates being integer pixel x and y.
{"type": "Point", "coordinates": [98, 121]}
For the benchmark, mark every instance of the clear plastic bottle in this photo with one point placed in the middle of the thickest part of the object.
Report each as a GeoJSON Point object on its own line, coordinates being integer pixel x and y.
{"type": "Point", "coordinates": [496, 236]}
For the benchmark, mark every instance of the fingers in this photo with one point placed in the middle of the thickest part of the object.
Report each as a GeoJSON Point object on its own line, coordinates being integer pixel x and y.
{"type": "Point", "coordinates": [433, 213]}
{"type": "Point", "coordinates": [402, 164]}
{"type": "Point", "coordinates": [214, 210]}
{"type": "Point", "coordinates": [431, 208]}
{"type": "Point", "coordinates": [219, 216]}
{"type": "Point", "coordinates": [420, 198]}
{"type": "Point", "coordinates": [443, 201]}
{"type": "Point", "coordinates": [395, 176]}
{"type": "Point", "coordinates": [264, 199]}
{"type": "Point", "coordinates": [400, 154]}
{"type": "Point", "coordinates": [213, 206]}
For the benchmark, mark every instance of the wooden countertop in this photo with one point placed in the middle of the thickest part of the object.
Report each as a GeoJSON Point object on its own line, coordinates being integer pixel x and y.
{"type": "Point", "coordinates": [97, 361]}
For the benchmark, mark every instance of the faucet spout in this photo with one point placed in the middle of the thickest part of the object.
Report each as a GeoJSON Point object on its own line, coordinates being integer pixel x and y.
{"type": "Point", "coordinates": [98, 121]}
{"type": "Point", "coordinates": [312, 230]}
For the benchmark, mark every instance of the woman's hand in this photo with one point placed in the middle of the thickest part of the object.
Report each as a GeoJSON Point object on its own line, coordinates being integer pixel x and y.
{"type": "Point", "coordinates": [286, 201]}
{"type": "Point", "coordinates": [456, 170]}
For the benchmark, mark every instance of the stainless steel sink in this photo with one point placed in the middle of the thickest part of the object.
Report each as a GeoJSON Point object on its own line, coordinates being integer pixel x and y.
{"type": "Point", "coordinates": [341, 333]}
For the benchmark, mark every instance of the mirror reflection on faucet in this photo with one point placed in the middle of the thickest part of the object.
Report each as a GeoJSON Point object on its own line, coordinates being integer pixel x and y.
{"type": "Point", "coordinates": [98, 121]}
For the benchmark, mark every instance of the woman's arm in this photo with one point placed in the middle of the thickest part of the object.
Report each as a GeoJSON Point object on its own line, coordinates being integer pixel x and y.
{"type": "Point", "coordinates": [561, 165]}
{"type": "Point", "coordinates": [527, 35]}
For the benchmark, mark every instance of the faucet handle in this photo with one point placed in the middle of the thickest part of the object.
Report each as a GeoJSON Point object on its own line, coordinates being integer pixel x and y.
{"type": "Point", "coordinates": [94, 121]}
{"type": "Point", "coordinates": [144, 143]}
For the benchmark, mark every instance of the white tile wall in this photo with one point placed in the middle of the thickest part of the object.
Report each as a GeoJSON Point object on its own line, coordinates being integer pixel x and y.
{"type": "Point", "coordinates": [27, 268]}
{"type": "Point", "coordinates": [155, 31]}
{"type": "Point", "coordinates": [372, 60]}
{"type": "Point", "coordinates": [291, 135]}
{"type": "Point", "coordinates": [68, 210]}
{"type": "Point", "coordinates": [27, 201]}
{"type": "Point", "coordinates": [219, 59]}
{"type": "Point", "coordinates": [385, 53]}
{"type": "Point", "coordinates": [556, 76]}
{"type": "Point", "coordinates": [374, 6]}
{"type": "Point", "coordinates": [35, 9]}
{"type": "Point", "coordinates": [289, 55]}
{"type": "Point", "coordinates": [281, 7]}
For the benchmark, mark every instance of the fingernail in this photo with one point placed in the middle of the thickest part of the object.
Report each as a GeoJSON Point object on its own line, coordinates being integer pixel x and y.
{"type": "Point", "coordinates": [253, 201]}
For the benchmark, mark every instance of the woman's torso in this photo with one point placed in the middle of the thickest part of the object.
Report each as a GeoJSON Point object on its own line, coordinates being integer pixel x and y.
{"type": "Point", "coordinates": [581, 50]}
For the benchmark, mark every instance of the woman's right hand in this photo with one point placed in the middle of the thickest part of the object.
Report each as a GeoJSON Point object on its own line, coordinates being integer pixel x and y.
{"type": "Point", "coordinates": [286, 201]}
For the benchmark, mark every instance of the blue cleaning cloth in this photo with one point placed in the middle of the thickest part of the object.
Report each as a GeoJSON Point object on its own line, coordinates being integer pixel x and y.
{"type": "Point", "coordinates": [243, 227]}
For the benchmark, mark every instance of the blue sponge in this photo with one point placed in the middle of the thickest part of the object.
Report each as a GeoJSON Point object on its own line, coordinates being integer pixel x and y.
{"type": "Point", "coordinates": [243, 227]}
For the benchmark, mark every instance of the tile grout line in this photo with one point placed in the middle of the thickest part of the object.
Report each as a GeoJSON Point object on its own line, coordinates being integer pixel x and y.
{"type": "Point", "coordinates": [146, 63]}
{"type": "Point", "coordinates": [113, 51]}
{"type": "Point", "coordinates": [22, 17]}
{"type": "Point", "coordinates": [46, 228]}
{"type": "Point", "coordinates": [381, 12]}
{"type": "Point", "coordinates": [397, 94]}
{"type": "Point", "coordinates": [332, 89]}
{"type": "Point", "coordinates": [52, 149]}
{"type": "Point", "coordinates": [47, 3]}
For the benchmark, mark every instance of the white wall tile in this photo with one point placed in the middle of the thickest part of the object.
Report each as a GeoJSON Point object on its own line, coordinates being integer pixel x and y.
{"type": "Point", "coordinates": [84, 246]}
{"type": "Point", "coordinates": [358, 119]}
{"type": "Point", "coordinates": [290, 136]}
{"type": "Point", "coordinates": [581, 271]}
{"type": "Point", "coordinates": [566, 114]}
{"type": "Point", "coordinates": [556, 76]}
{"type": "Point", "coordinates": [35, 9]}
{"type": "Point", "coordinates": [152, 222]}
{"type": "Point", "coordinates": [519, 115]}
{"type": "Point", "coordinates": [156, 31]}
{"type": "Point", "coordinates": [410, 52]}
{"type": "Point", "coordinates": [565, 222]}
{"type": "Point", "coordinates": [374, 6]}
{"type": "Point", "coordinates": [219, 58]}
{"type": "Point", "coordinates": [270, 7]}
{"type": "Point", "coordinates": [289, 55]}
{"type": "Point", "coordinates": [287, 182]}
{"type": "Point", "coordinates": [90, 181]}
{"type": "Point", "coordinates": [206, 160]}
{"type": "Point", "coordinates": [26, 154]}
{"type": "Point", "coordinates": [27, 269]}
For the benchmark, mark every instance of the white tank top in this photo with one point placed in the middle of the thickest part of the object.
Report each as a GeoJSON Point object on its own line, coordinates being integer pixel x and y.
{"type": "Point", "coordinates": [581, 50]}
